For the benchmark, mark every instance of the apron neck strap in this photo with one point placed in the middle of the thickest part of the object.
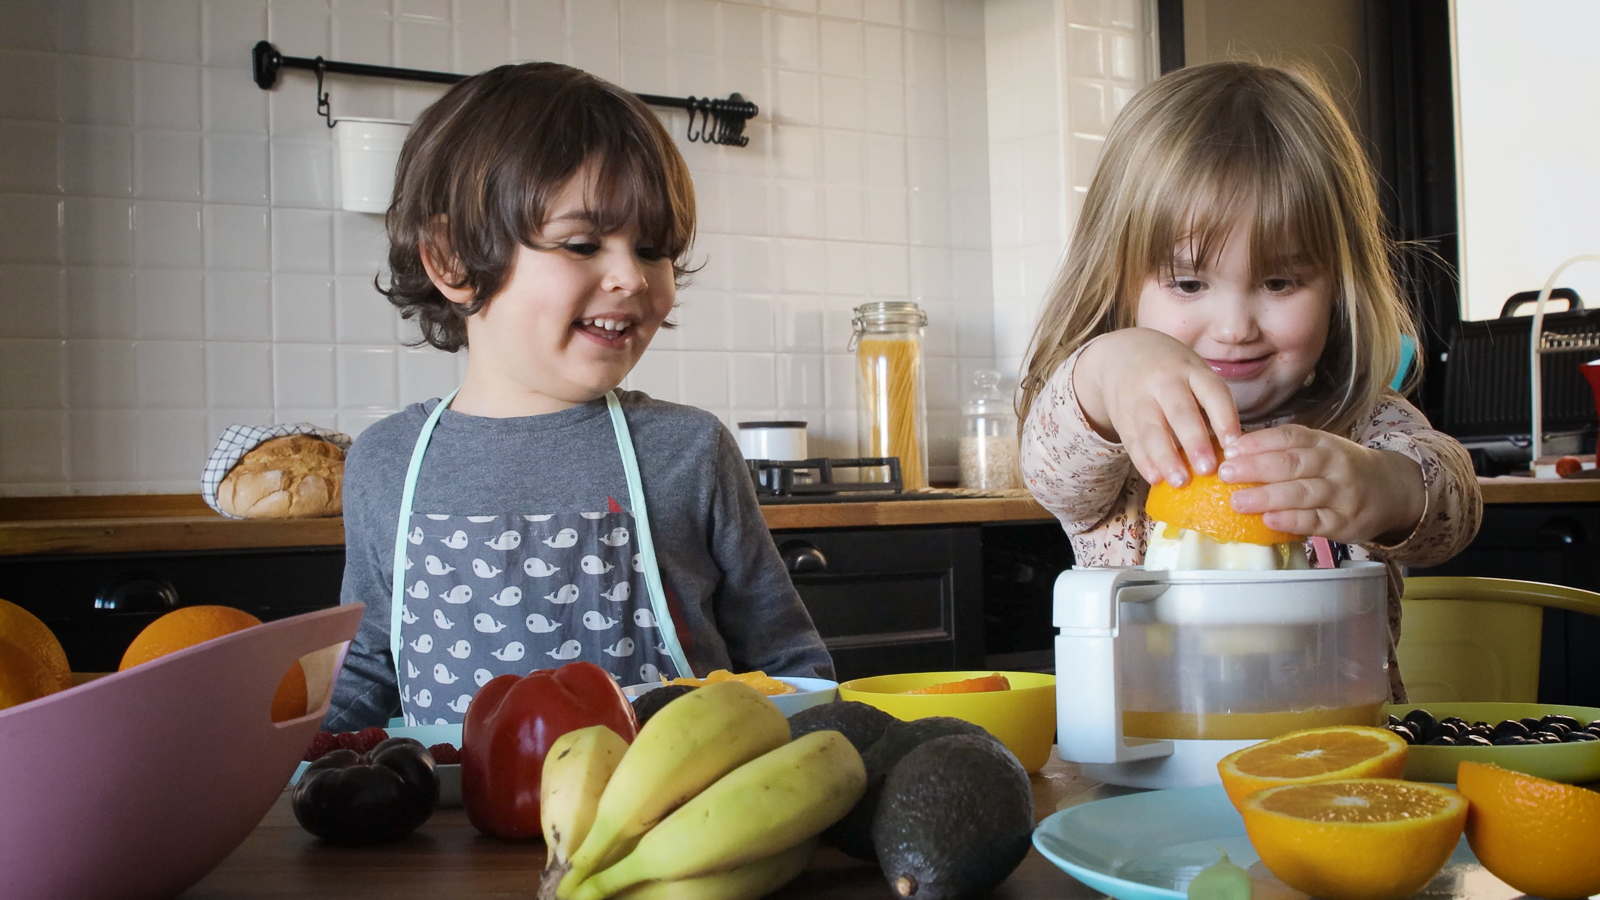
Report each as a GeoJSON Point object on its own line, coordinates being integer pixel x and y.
{"type": "Point", "coordinates": [647, 547]}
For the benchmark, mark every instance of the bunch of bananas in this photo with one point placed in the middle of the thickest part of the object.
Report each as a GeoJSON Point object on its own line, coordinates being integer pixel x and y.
{"type": "Point", "coordinates": [712, 801]}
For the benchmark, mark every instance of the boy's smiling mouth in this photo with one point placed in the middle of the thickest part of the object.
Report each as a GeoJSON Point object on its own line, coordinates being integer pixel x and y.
{"type": "Point", "coordinates": [607, 331]}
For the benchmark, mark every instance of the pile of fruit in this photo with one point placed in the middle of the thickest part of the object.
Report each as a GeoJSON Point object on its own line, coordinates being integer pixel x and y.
{"type": "Point", "coordinates": [34, 665]}
{"type": "Point", "coordinates": [1327, 812]}
{"type": "Point", "coordinates": [1419, 727]}
{"type": "Point", "coordinates": [720, 796]}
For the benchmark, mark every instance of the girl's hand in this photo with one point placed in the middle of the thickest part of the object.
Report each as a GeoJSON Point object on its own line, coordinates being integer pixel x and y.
{"type": "Point", "coordinates": [1316, 483]}
{"type": "Point", "coordinates": [1157, 398]}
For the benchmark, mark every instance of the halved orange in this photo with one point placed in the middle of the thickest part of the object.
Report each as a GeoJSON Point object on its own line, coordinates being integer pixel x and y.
{"type": "Point", "coordinates": [1356, 839]}
{"type": "Point", "coordinates": [995, 682]}
{"type": "Point", "coordinates": [1541, 837]}
{"type": "Point", "coordinates": [1313, 754]}
{"type": "Point", "coordinates": [1202, 505]}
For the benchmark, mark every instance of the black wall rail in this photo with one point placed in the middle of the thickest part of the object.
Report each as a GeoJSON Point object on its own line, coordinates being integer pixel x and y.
{"type": "Point", "coordinates": [719, 121]}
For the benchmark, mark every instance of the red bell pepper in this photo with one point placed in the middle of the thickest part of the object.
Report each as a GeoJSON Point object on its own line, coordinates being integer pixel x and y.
{"type": "Point", "coordinates": [509, 727]}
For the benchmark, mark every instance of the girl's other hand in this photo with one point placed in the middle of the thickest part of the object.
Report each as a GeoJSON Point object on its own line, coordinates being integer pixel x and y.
{"type": "Point", "coordinates": [1316, 483]}
{"type": "Point", "coordinates": [1157, 398]}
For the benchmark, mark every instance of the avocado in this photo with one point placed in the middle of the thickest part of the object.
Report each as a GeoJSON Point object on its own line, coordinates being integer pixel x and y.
{"type": "Point", "coordinates": [861, 723]}
{"type": "Point", "coordinates": [650, 702]}
{"type": "Point", "coordinates": [853, 833]}
{"type": "Point", "coordinates": [954, 818]}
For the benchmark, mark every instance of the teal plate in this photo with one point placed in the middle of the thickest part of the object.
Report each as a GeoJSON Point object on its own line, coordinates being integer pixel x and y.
{"type": "Point", "coordinates": [1150, 845]}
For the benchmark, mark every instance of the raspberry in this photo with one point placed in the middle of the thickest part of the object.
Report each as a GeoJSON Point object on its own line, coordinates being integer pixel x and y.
{"type": "Point", "coordinates": [445, 754]}
{"type": "Point", "coordinates": [322, 743]}
{"type": "Point", "coordinates": [370, 737]}
{"type": "Point", "coordinates": [348, 740]}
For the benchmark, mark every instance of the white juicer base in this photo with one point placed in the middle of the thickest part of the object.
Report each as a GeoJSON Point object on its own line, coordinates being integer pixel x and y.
{"type": "Point", "coordinates": [1192, 764]}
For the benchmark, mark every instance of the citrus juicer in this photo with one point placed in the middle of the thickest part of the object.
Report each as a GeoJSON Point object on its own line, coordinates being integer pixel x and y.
{"type": "Point", "coordinates": [1163, 673]}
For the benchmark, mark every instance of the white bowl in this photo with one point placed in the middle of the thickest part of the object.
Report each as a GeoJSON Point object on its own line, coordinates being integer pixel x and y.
{"type": "Point", "coordinates": [808, 692]}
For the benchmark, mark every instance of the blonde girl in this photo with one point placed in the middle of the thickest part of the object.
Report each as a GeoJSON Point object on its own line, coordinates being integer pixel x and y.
{"type": "Point", "coordinates": [1229, 276]}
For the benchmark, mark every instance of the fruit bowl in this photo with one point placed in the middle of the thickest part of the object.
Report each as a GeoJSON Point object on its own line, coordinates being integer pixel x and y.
{"type": "Point", "coordinates": [1567, 763]}
{"type": "Point", "coordinates": [808, 692]}
{"type": "Point", "coordinates": [1023, 718]}
{"type": "Point", "coordinates": [137, 784]}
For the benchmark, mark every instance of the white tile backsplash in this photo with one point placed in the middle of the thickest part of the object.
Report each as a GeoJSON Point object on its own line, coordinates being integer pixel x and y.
{"type": "Point", "coordinates": [172, 261]}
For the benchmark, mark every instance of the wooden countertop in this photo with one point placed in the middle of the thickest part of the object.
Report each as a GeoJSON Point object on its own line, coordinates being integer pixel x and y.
{"type": "Point", "coordinates": [149, 523]}
{"type": "Point", "coordinates": [177, 522]}
{"type": "Point", "coordinates": [446, 857]}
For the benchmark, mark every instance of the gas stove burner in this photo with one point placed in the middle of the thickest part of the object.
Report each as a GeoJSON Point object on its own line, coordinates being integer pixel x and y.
{"type": "Point", "coordinates": [810, 480]}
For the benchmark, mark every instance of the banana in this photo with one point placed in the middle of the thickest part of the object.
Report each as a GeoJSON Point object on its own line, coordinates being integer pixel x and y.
{"type": "Point", "coordinates": [746, 882]}
{"type": "Point", "coordinates": [690, 743]}
{"type": "Point", "coordinates": [575, 773]}
{"type": "Point", "coordinates": [765, 806]}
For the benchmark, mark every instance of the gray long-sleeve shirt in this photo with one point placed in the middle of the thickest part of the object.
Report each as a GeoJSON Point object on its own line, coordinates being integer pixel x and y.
{"type": "Point", "coordinates": [737, 606]}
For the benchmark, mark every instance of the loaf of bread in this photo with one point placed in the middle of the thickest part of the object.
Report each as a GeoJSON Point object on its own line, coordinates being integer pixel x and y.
{"type": "Point", "coordinates": [298, 476]}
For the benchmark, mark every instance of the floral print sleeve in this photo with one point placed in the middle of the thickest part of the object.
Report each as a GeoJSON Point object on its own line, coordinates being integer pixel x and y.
{"type": "Point", "coordinates": [1083, 479]}
{"type": "Point", "coordinates": [1453, 502]}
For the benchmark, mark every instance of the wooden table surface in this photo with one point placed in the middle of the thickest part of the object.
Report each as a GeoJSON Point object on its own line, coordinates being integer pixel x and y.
{"type": "Point", "coordinates": [446, 857]}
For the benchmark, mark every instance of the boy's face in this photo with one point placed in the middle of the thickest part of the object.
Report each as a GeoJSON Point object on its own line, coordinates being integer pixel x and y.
{"type": "Point", "coordinates": [1263, 337]}
{"type": "Point", "coordinates": [576, 313]}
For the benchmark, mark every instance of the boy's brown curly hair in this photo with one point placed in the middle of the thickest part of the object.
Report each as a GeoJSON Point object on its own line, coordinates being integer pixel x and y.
{"type": "Point", "coordinates": [481, 165]}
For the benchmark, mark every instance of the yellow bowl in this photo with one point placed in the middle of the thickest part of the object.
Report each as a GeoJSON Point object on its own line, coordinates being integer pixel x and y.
{"type": "Point", "coordinates": [1023, 718]}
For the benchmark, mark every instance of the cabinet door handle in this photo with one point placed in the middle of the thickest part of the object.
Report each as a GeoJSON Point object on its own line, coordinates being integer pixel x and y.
{"type": "Point", "coordinates": [1560, 532]}
{"type": "Point", "coordinates": [137, 592]}
{"type": "Point", "coordinates": [801, 558]}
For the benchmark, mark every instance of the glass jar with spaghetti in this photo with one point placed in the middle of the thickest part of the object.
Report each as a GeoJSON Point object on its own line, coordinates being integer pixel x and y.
{"type": "Point", "coordinates": [891, 405]}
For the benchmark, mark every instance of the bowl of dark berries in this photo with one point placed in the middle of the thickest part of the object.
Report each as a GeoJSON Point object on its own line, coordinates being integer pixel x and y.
{"type": "Point", "coordinates": [443, 743]}
{"type": "Point", "coordinates": [1561, 743]}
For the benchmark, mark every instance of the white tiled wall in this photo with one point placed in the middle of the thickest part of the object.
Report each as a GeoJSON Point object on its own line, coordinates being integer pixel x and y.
{"type": "Point", "coordinates": [1059, 71]}
{"type": "Point", "coordinates": [171, 260]}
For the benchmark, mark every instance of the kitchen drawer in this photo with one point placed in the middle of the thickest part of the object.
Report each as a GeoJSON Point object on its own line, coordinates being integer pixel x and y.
{"type": "Point", "coordinates": [893, 599]}
{"type": "Point", "coordinates": [1555, 544]}
{"type": "Point", "coordinates": [96, 605]}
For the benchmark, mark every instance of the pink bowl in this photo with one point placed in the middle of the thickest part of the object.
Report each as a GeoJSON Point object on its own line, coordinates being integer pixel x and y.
{"type": "Point", "coordinates": [137, 784]}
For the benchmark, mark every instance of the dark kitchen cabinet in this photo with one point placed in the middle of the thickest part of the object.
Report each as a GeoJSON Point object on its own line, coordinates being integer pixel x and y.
{"type": "Point", "coordinates": [892, 599]}
{"type": "Point", "coordinates": [1556, 544]}
{"type": "Point", "coordinates": [96, 605]}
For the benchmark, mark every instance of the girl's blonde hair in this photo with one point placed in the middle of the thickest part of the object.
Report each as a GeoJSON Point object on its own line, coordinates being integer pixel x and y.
{"type": "Point", "coordinates": [1187, 157]}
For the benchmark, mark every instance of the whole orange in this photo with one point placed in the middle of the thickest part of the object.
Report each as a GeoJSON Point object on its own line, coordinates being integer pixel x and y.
{"type": "Point", "coordinates": [1202, 505]}
{"type": "Point", "coordinates": [1359, 839]}
{"type": "Point", "coordinates": [1541, 837]}
{"type": "Point", "coordinates": [22, 676]}
{"type": "Point", "coordinates": [191, 625]}
{"type": "Point", "coordinates": [1313, 754]}
{"type": "Point", "coordinates": [24, 629]}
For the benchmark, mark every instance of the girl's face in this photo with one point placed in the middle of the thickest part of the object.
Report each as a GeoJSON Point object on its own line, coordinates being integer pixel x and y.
{"type": "Point", "coordinates": [1263, 337]}
{"type": "Point", "coordinates": [576, 313]}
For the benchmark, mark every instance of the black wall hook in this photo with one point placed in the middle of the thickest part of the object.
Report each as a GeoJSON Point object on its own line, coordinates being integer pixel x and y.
{"type": "Point", "coordinates": [720, 121]}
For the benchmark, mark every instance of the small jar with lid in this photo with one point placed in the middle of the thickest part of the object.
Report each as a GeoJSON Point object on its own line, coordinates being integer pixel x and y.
{"type": "Point", "coordinates": [989, 450]}
{"type": "Point", "coordinates": [891, 403]}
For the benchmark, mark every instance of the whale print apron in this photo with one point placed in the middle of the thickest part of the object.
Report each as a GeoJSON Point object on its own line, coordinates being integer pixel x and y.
{"type": "Point", "coordinates": [476, 596]}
